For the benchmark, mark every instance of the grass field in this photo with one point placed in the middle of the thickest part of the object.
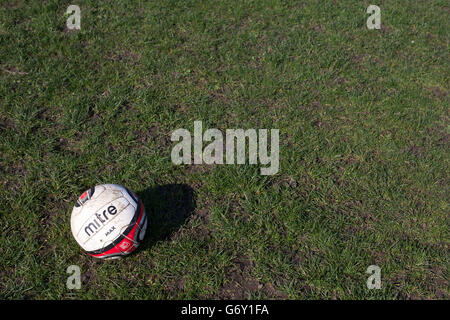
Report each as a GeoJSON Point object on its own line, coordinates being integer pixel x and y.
{"type": "Point", "coordinates": [364, 147]}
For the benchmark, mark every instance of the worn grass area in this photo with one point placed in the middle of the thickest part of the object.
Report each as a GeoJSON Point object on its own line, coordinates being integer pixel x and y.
{"type": "Point", "coordinates": [364, 147]}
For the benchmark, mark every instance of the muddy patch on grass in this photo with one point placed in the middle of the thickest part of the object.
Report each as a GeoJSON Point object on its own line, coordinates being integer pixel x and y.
{"type": "Point", "coordinates": [67, 146]}
{"type": "Point", "coordinates": [321, 124]}
{"type": "Point", "coordinates": [438, 92]}
{"type": "Point", "coordinates": [126, 56]}
{"type": "Point", "coordinates": [282, 182]}
{"type": "Point", "coordinates": [12, 70]}
{"type": "Point", "coordinates": [221, 96]}
{"type": "Point", "coordinates": [88, 268]}
{"type": "Point", "coordinates": [201, 232]}
{"type": "Point", "coordinates": [198, 227]}
{"type": "Point", "coordinates": [6, 124]}
{"type": "Point", "coordinates": [174, 286]}
{"type": "Point", "coordinates": [416, 151]}
{"type": "Point", "coordinates": [155, 135]}
{"type": "Point", "coordinates": [439, 134]}
{"type": "Point", "coordinates": [241, 284]}
{"type": "Point", "coordinates": [199, 169]}
{"type": "Point", "coordinates": [12, 176]}
{"type": "Point", "coordinates": [432, 285]}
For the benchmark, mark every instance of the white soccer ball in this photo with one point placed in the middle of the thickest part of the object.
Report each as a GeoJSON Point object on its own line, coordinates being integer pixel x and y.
{"type": "Point", "coordinates": [108, 221]}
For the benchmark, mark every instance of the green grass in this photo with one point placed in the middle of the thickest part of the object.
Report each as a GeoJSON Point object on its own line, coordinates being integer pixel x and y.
{"type": "Point", "coordinates": [364, 139]}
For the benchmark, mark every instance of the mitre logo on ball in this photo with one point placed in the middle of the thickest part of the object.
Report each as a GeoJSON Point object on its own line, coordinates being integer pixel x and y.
{"type": "Point", "coordinates": [108, 221]}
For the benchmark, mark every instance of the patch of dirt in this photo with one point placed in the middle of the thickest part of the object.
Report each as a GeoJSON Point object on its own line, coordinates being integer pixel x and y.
{"type": "Point", "coordinates": [316, 105]}
{"type": "Point", "coordinates": [11, 4]}
{"type": "Point", "coordinates": [349, 160]}
{"type": "Point", "coordinates": [340, 80]}
{"type": "Point", "coordinates": [200, 168]}
{"type": "Point", "coordinates": [174, 286]}
{"type": "Point", "coordinates": [434, 283]}
{"type": "Point", "coordinates": [200, 219]}
{"type": "Point", "coordinates": [71, 146]}
{"type": "Point", "coordinates": [321, 124]}
{"type": "Point", "coordinates": [126, 56]}
{"type": "Point", "coordinates": [155, 135]}
{"type": "Point", "coordinates": [274, 293]}
{"type": "Point", "coordinates": [13, 70]}
{"type": "Point", "coordinates": [385, 29]}
{"type": "Point", "coordinates": [222, 96]}
{"type": "Point", "coordinates": [317, 27]}
{"type": "Point", "coordinates": [12, 174]}
{"type": "Point", "coordinates": [88, 277]}
{"type": "Point", "coordinates": [6, 124]}
{"type": "Point", "coordinates": [378, 257]}
{"type": "Point", "coordinates": [282, 182]}
{"type": "Point", "coordinates": [88, 267]}
{"type": "Point", "coordinates": [416, 151]}
{"type": "Point", "coordinates": [439, 133]}
{"type": "Point", "coordinates": [437, 92]}
{"type": "Point", "coordinates": [357, 59]}
{"type": "Point", "coordinates": [200, 233]}
{"type": "Point", "coordinates": [240, 283]}
{"type": "Point", "coordinates": [361, 61]}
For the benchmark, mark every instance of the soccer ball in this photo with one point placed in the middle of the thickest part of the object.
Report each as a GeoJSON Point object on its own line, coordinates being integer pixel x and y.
{"type": "Point", "coordinates": [108, 221]}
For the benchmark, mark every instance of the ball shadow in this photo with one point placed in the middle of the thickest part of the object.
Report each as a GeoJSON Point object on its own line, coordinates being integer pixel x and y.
{"type": "Point", "coordinates": [168, 207]}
